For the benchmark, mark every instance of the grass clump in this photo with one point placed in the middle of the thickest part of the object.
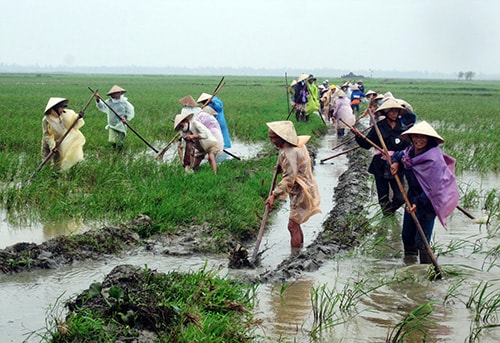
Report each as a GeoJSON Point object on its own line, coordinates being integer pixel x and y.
{"type": "Point", "coordinates": [175, 307]}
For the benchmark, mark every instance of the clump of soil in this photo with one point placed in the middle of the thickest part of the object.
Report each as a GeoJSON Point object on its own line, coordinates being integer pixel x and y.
{"type": "Point", "coordinates": [64, 250]}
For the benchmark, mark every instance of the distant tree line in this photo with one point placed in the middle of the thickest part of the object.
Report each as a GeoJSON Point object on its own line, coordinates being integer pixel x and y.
{"type": "Point", "coordinates": [467, 76]}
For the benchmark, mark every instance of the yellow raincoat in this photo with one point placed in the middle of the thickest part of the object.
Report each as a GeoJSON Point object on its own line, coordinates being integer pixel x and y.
{"type": "Point", "coordinates": [298, 183]}
{"type": "Point", "coordinates": [54, 127]}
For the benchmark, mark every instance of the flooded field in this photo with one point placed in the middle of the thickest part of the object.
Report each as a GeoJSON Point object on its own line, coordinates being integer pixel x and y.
{"type": "Point", "coordinates": [363, 294]}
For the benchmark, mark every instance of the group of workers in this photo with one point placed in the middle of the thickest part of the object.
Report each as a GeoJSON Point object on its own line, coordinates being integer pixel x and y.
{"type": "Point", "coordinates": [63, 141]}
{"type": "Point", "coordinates": [403, 149]}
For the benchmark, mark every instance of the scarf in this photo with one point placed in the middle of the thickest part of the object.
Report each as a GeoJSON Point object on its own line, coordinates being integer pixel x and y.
{"type": "Point", "coordinates": [435, 172]}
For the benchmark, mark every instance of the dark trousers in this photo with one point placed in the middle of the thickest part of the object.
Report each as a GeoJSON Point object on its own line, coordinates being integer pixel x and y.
{"type": "Point", "coordinates": [412, 239]}
{"type": "Point", "coordinates": [383, 185]}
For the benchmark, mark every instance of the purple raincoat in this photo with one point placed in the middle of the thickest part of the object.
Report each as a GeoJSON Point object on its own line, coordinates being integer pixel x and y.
{"type": "Point", "coordinates": [435, 172]}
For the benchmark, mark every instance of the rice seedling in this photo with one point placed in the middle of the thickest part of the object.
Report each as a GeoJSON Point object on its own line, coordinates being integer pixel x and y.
{"type": "Point", "coordinates": [485, 302]}
{"type": "Point", "coordinates": [414, 327]}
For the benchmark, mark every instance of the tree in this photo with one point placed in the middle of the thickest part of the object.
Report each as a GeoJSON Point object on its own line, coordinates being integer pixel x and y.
{"type": "Point", "coordinates": [469, 75]}
{"type": "Point", "coordinates": [460, 75]}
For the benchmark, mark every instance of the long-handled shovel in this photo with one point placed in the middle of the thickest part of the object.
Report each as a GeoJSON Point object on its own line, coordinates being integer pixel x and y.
{"type": "Point", "coordinates": [164, 150]}
{"type": "Point", "coordinates": [53, 151]}
{"type": "Point", "coordinates": [264, 219]}
{"type": "Point", "coordinates": [438, 272]}
{"type": "Point", "coordinates": [125, 122]}
{"type": "Point", "coordinates": [338, 154]}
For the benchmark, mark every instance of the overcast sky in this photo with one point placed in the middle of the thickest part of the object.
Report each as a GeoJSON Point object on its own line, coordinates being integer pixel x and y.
{"type": "Point", "coordinates": [403, 35]}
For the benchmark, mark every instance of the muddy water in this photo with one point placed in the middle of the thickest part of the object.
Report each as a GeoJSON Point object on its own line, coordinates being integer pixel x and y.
{"type": "Point", "coordinates": [285, 310]}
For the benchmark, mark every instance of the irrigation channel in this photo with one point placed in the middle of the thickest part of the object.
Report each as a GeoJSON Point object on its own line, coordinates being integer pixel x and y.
{"type": "Point", "coordinates": [380, 287]}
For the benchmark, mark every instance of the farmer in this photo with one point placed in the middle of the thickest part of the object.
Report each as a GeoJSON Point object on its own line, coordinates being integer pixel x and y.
{"type": "Point", "coordinates": [343, 110]}
{"type": "Point", "coordinates": [206, 116]}
{"type": "Point", "coordinates": [300, 98]}
{"type": "Point", "coordinates": [298, 181]}
{"type": "Point", "coordinates": [55, 123]}
{"type": "Point", "coordinates": [391, 128]}
{"type": "Point", "coordinates": [312, 105]}
{"type": "Point", "coordinates": [432, 188]}
{"type": "Point", "coordinates": [199, 142]}
{"type": "Point", "coordinates": [216, 104]}
{"type": "Point", "coordinates": [356, 97]}
{"type": "Point", "coordinates": [116, 125]}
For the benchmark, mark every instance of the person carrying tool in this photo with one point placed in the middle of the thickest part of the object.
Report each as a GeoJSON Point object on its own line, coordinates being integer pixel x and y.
{"type": "Point", "coordinates": [125, 112]}
{"type": "Point", "coordinates": [391, 129]}
{"type": "Point", "coordinates": [301, 96]}
{"type": "Point", "coordinates": [432, 187]}
{"type": "Point", "coordinates": [199, 142]}
{"type": "Point", "coordinates": [55, 124]}
{"type": "Point", "coordinates": [297, 182]}
{"type": "Point", "coordinates": [216, 104]}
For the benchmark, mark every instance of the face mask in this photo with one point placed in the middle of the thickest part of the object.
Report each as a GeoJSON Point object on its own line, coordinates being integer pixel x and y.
{"type": "Point", "coordinates": [185, 127]}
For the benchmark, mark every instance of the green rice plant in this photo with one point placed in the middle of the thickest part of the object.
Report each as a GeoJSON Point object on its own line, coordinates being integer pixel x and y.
{"type": "Point", "coordinates": [414, 327]}
{"type": "Point", "coordinates": [491, 258]}
{"type": "Point", "coordinates": [485, 302]}
{"type": "Point", "coordinates": [492, 205]}
{"type": "Point", "coordinates": [470, 196]}
{"type": "Point", "coordinates": [325, 303]}
{"type": "Point", "coordinates": [452, 292]}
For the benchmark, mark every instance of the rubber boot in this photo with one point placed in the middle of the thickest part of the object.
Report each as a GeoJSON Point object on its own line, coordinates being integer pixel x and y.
{"type": "Point", "coordinates": [297, 116]}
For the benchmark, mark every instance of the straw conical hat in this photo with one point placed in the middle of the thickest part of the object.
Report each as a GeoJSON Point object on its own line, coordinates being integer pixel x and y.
{"type": "Point", "coordinates": [116, 89]}
{"type": "Point", "coordinates": [204, 97]}
{"type": "Point", "coordinates": [210, 110]}
{"type": "Point", "coordinates": [370, 92]}
{"type": "Point", "coordinates": [180, 117]}
{"type": "Point", "coordinates": [422, 128]}
{"type": "Point", "coordinates": [285, 130]}
{"type": "Point", "coordinates": [389, 103]}
{"type": "Point", "coordinates": [294, 82]}
{"type": "Point", "coordinates": [302, 140]}
{"type": "Point", "coordinates": [341, 94]}
{"type": "Point", "coordinates": [52, 102]}
{"type": "Point", "coordinates": [405, 104]}
{"type": "Point", "coordinates": [302, 77]}
{"type": "Point", "coordinates": [188, 100]}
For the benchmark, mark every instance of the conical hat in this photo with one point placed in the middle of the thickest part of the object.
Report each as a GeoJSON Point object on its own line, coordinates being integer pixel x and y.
{"type": "Point", "coordinates": [341, 93]}
{"type": "Point", "coordinates": [370, 92]}
{"type": "Point", "coordinates": [188, 100]}
{"type": "Point", "coordinates": [180, 117]}
{"type": "Point", "coordinates": [210, 110]}
{"type": "Point", "coordinates": [204, 97]}
{"type": "Point", "coordinates": [302, 140]}
{"type": "Point", "coordinates": [389, 103]}
{"type": "Point", "coordinates": [116, 89]}
{"type": "Point", "coordinates": [405, 104]}
{"type": "Point", "coordinates": [422, 128]}
{"type": "Point", "coordinates": [52, 102]}
{"type": "Point", "coordinates": [302, 77]}
{"type": "Point", "coordinates": [285, 130]}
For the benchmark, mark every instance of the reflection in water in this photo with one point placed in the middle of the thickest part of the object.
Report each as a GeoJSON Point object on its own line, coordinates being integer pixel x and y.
{"type": "Point", "coordinates": [289, 306]}
{"type": "Point", "coordinates": [11, 234]}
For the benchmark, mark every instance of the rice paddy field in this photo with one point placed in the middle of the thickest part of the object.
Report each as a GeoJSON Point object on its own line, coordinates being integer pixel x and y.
{"type": "Point", "coordinates": [111, 188]}
{"type": "Point", "coordinates": [107, 186]}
